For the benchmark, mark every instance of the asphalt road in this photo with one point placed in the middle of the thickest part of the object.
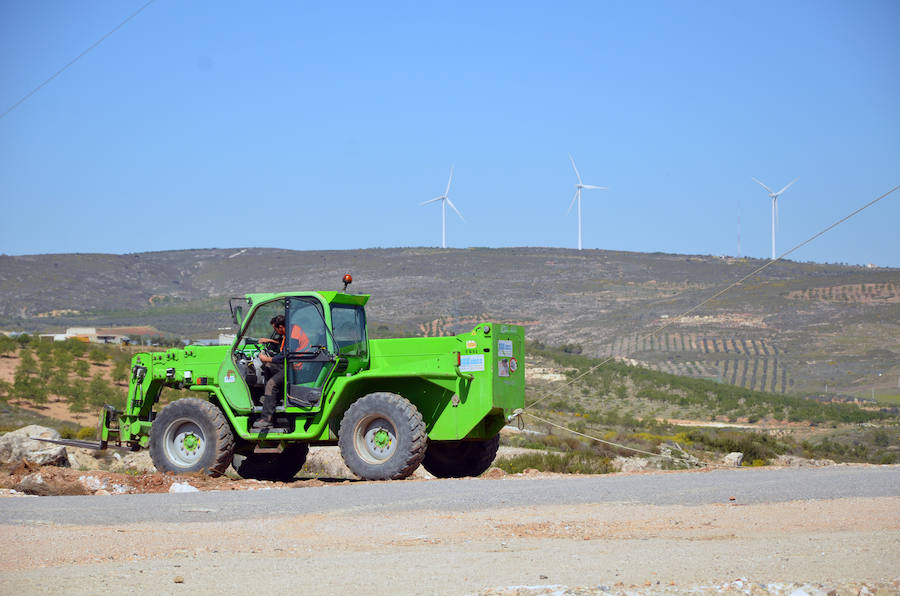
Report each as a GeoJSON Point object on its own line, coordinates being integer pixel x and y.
{"type": "Point", "coordinates": [747, 486]}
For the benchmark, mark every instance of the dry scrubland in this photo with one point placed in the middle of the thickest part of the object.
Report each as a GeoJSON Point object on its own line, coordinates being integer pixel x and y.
{"type": "Point", "coordinates": [795, 328]}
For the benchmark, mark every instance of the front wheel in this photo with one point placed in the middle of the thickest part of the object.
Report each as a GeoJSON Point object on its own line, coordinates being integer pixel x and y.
{"type": "Point", "coordinates": [382, 437]}
{"type": "Point", "coordinates": [191, 435]}
{"type": "Point", "coordinates": [455, 459]}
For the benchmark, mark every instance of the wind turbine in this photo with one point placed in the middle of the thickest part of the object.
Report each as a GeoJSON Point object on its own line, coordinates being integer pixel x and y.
{"type": "Point", "coordinates": [577, 197]}
{"type": "Point", "coordinates": [445, 200]}
{"type": "Point", "coordinates": [774, 196]}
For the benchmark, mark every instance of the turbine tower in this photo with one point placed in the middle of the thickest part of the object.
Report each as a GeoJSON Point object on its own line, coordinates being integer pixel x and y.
{"type": "Point", "coordinates": [577, 197]}
{"type": "Point", "coordinates": [774, 196]}
{"type": "Point", "coordinates": [445, 200]}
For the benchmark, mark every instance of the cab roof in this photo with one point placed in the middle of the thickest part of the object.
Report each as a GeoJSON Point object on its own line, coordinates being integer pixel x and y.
{"type": "Point", "coordinates": [329, 297]}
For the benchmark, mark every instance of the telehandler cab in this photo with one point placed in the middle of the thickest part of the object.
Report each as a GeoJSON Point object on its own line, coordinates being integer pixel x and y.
{"type": "Point", "coordinates": [390, 404]}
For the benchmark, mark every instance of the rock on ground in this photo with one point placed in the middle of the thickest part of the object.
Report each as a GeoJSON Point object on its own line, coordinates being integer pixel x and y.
{"type": "Point", "coordinates": [733, 459]}
{"type": "Point", "coordinates": [631, 464]}
{"type": "Point", "coordinates": [18, 445]}
{"type": "Point", "coordinates": [138, 461]}
{"type": "Point", "coordinates": [794, 461]}
{"type": "Point", "coordinates": [37, 484]}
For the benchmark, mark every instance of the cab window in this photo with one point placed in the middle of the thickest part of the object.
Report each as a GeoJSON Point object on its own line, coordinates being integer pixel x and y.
{"type": "Point", "coordinates": [259, 325]}
{"type": "Point", "coordinates": [349, 324]}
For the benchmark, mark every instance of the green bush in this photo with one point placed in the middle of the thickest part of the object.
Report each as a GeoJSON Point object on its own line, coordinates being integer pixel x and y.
{"type": "Point", "coordinates": [754, 446]}
{"type": "Point", "coordinates": [98, 355]}
{"type": "Point", "coordinates": [7, 345]}
{"type": "Point", "coordinates": [82, 368]}
{"type": "Point", "coordinates": [120, 371]}
{"type": "Point", "coordinates": [100, 392]}
{"type": "Point", "coordinates": [76, 348]}
{"type": "Point", "coordinates": [77, 391]}
{"type": "Point", "coordinates": [572, 462]}
{"type": "Point", "coordinates": [86, 432]}
{"type": "Point", "coordinates": [27, 382]}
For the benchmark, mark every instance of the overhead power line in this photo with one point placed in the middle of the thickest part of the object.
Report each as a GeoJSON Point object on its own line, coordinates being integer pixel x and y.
{"type": "Point", "coordinates": [76, 59]}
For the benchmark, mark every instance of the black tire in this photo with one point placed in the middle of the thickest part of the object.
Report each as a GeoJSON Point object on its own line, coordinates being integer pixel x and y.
{"type": "Point", "coordinates": [456, 459]}
{"type": "Point", "coordinates": [191, 435]}
{"type": "Point", "coordinates": [382, 437]}
{"type": "Point", "coordinates": [280, 467]}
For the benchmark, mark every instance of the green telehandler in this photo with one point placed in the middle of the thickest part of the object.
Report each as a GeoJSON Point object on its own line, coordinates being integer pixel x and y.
{"type": "Point", "coordinates": [390, 404]}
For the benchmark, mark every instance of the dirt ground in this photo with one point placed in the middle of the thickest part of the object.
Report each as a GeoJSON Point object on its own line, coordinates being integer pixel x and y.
{"type": "Point", "coordinates": [845, 546]}
{"type": "Point", "coordinates": [57, 481]}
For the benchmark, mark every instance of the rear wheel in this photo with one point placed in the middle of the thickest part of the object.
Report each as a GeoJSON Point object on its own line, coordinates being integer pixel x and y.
{"type": "Point", "coordinates": [191, 435]}
{"type": "Point", "coordinates": [382, 437]}
{"type": "Point", "coordinates": [272, 466]}
{"type": "Point", "coordinates": [455, 459]}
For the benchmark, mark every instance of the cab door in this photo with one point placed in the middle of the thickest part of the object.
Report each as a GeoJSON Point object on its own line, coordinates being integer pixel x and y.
{"type": "Point", "coordinates": [309, 349]}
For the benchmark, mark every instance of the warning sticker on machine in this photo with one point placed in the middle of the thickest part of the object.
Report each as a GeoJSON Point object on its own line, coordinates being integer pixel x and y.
{"type": "Point", "coordinates": [504, 348]}
{"type": "Point", "coordinates": [229, 377]}
{"type": "Point", "coordinates": [503, 367]}
{"type": "Point", "coordinates": [471, 362]}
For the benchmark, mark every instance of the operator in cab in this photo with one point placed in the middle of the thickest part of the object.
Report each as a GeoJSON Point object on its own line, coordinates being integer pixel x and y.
{"type": "Point", "coordinates": [275, 383]}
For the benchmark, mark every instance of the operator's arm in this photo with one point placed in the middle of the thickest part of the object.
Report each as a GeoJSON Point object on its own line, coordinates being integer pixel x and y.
{"type": "Point", "coordinates": [275, 339]}
{"type": "Point", "coordinates": [276, 359]}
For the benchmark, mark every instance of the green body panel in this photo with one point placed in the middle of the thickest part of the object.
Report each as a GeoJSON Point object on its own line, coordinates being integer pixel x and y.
{"type": "Point", "coordinates": [464, 386]}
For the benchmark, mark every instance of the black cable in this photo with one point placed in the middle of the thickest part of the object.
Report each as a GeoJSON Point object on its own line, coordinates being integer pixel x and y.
{"type": "Point", "coordinates": [76, 59]}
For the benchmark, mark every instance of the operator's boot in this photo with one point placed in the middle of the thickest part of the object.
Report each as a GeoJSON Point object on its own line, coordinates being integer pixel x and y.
{"type": "Point", "coordinates": [267, 419]}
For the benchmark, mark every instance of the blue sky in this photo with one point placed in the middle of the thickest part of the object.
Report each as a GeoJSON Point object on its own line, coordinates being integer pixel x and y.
{"type": "Point", "coordinates": [324, 125]}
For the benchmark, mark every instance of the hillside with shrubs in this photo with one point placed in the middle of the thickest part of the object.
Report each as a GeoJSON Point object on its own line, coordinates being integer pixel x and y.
{"type": "Point", "coordinates": [615, 409]}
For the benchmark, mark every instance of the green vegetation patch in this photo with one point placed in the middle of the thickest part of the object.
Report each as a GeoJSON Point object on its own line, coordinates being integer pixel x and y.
{"type": "Point", "coordinates": [571, 462]}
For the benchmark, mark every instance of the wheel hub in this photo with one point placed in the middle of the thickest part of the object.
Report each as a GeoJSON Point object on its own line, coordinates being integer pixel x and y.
{"type": "Point", "coordinates": [184, 443]}
{"type": "Point", "coordinates": [381, 438]}
{"type": "Point", "coordinates": [190, 442]}
{"type": "Point", "coordinates": [375, 439]}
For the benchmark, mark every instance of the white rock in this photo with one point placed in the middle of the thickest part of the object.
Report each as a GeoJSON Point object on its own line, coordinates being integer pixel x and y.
{"type": "Point", "coordinates": [91, 483]}
{"type": "Point", "coordinates": [733, 459]}
{"type": "Point", "coordinates": [138, 461]}
{"type": "Point", "coordinates": [18, 445]}
{"type": "Point", "coordinates": [182, 487]}
{"type": "Point", "coordinates": [801, 462]}
{"type": "Point", "coordinates": [631, 464]}
{"type": "Point", "coordinates": [84, 459]}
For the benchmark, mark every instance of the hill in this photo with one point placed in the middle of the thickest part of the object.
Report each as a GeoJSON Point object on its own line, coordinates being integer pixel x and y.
{"type": "Point", "coordinates": [795, 328]}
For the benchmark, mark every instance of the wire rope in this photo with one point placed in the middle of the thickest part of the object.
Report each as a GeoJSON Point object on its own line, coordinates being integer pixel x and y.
{"type": "Point", "coordinates": [76, 58]}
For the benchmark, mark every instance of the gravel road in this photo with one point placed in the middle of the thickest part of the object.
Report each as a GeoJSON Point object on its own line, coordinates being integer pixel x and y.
{"type": "Point", "coordinates": [676, 532]}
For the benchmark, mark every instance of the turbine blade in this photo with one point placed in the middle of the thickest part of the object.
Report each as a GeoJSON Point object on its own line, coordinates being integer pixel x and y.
{"type": "Point", "coordinates": [432, 200]}
{"type": "Point", "coordinates": [594, 187]}
{"type": "Point", "coordinates": [569, 210]}
{"type": "Point", "coordinates": [786, 187]}
{"type": "Point", "coordinates": [763, 185]}
{"type": "Point", "coordinates": [447, 192]}
{"type": "Point", "coordinates": [574, 168]}
{"type": "Point", "coordinates": [452, 206]}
